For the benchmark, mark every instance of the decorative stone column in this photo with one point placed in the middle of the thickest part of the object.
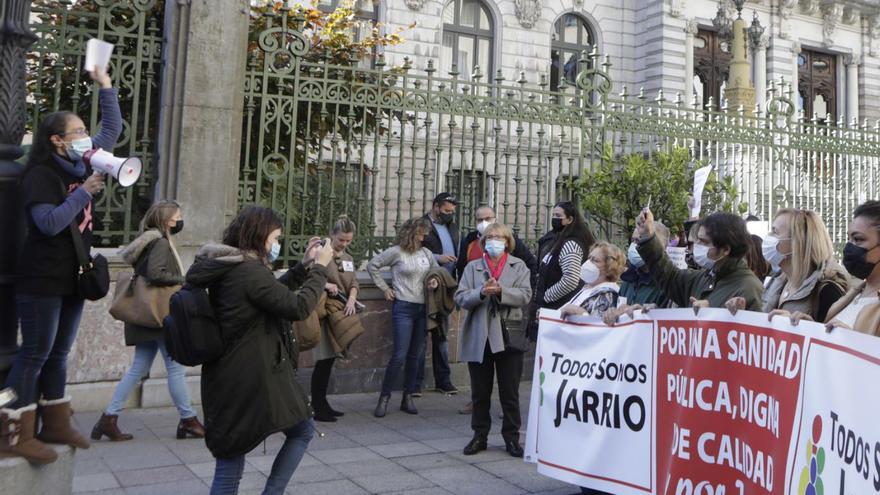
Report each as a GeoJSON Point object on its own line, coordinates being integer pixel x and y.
{"type": "Point", "coordinates": [200, 121]}
{"type": "Point", "coordinates": [739, 91]}
{"type": "Point", "coordinates": [759, 52]}
{"type": "Point", "coordinates": [15, 38]}
{"type": "Point", "coordinates": [852, 87]}
{"type": "Point", "coordinates": [690, 30]}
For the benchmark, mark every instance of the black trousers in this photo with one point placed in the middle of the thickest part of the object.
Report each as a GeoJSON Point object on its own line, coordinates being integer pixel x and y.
{"type": "Point", "coordinates": [508, 365]}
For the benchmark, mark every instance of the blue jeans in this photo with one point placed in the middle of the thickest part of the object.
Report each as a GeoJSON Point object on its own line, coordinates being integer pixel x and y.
{"type": "Point", "coordinates": [439, 363]}
{"type": "Point", "coordinates": [408, 322]}
{"type": "Point", "coordinates": [144, 353]}
{"type": "Point", "coordinates": [227, 472]}
{"type": "Point", "coordinates": [48, 329]}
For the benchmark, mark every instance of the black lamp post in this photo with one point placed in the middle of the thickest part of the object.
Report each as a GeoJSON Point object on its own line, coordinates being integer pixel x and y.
{"type": "Point", "coordinates": [15, 38]}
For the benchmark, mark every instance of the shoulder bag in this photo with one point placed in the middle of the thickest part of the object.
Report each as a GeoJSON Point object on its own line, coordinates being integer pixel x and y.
{"type": "Point", "coordinates": [136, 301]}
{"type": "Point", "coordinates": [93, 280]}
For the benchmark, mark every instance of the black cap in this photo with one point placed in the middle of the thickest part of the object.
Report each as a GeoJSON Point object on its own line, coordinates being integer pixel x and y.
{"type": "Point", "coordinates": [445, 197]}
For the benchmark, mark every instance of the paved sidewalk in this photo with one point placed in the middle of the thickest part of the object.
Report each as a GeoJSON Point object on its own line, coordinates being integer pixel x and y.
{"type": "Point", "coordinates": [401, 454]}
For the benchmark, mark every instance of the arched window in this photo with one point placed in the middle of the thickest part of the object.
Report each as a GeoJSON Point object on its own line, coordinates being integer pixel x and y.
{"type": "Point", "coordinates": [571, 36]}
{"type": "Point", "coordinates": [817, 85]}
{"type": "Point", "coordinates": [468, 37]}
{"type": "Point", "coordinates": [712, 59]}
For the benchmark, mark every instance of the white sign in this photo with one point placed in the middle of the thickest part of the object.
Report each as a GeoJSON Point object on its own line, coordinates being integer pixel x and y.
{"type": "Point", "coordinates": [677, 255]}
{"type": "Point", "coordinates": [701, 175]}
{"type": "Point", "coordinates": [98, 54]}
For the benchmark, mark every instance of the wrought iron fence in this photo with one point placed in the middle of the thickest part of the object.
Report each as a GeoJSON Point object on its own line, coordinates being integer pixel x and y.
{"type": "Point", "coordinates": [56, 82]}
{"type": "Point", "coordinates": [321, 139]}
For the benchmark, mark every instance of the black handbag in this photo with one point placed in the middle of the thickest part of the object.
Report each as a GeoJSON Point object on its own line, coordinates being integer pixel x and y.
{"type": "Point", "coordinates": [93, 279]}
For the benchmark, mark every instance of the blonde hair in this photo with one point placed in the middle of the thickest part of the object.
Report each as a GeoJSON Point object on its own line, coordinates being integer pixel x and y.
{"type": "Point", "coordinates": [615, 260]}
{"type": "Point", "coordinates": [157, 217]}
{"type": "Point", "coordinates": [408, 233]}
{"type": "Point", "coordinates": [810, 243]}
{"type": "Point", "coordinates": [343, 225]}
{"type": "Point", "coordinates": [504, 230]}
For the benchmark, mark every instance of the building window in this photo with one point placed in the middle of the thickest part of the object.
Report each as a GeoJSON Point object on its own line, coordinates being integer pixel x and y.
{"type": "Point", "coordinates": [468, 37]}
{"type": "Point", "coordinates": [712, 59]}
{"type": "Point", "coordinates": [817, 85]}
{"type": "Point", "coordinates": [571, 36]}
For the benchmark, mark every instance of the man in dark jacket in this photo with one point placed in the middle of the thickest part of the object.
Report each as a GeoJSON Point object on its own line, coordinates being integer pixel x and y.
{"type": "Point", "coordinates": [470, 249]}
{"type": "Point", "coordinates": [442, 240]}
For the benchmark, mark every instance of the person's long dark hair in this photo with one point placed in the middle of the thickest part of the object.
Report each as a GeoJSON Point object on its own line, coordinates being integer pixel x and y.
{"type": "Point", "coordinates": [250, 229]}
{"type": "Point", "coordinates": [51, 125]}
{"type": "Point", "coordinates": [577, 229]}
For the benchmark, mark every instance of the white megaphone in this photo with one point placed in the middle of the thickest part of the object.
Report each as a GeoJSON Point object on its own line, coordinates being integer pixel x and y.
{"type": "Point", "coordinates": [126, 171]}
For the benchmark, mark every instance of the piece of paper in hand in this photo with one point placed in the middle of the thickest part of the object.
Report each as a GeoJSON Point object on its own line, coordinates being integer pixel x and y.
{"type": "Point", "coordinates": [677, 255]}
{"type": "Point", "coordinates": [98, 54]}
{"type": "Point", "coordinates": [701, 175]}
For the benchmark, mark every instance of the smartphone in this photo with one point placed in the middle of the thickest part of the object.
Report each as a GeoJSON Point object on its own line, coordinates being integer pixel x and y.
{"type": "Point", "coordinates": [7, 396]}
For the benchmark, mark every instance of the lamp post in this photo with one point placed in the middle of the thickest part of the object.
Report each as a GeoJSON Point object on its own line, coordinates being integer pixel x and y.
{"type": "Point", "coordinates": [15, 38]}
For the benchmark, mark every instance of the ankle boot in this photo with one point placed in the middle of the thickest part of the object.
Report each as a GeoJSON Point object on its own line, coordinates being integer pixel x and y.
{"type": "Point", "coordinates": [382, 406]}
{"type": "Point", "coordinates": [17, 436]}
{"type": "Point", "coordinates": [408, 405]}
{"type": "Point", "coordinates": [323, 412]}
{"type": "Point", "coordinates": [332, 411]}
{"type": "Point", "coordinates": [190, 427]}
{"type": "Point", "coordinates": [57, 428]}
{"type": "Point", "coordinates": [106, 426]}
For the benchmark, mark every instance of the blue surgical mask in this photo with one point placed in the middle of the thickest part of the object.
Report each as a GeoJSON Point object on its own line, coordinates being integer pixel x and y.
{"type": "Point", "coordinates": [635, 259]}
{"type": "Point", "coordinates": [701, 256]}
{"type": "Point", "coordinates": [495, 247]}
{"type": "Point", "coordinates": [274, 252]}
{"type": "Point", "coordinates": [78, 147]}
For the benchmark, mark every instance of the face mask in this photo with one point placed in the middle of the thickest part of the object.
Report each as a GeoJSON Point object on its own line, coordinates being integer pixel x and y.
{"type": "Point", "coordinates": [495, 248]}
{"type": "Point", "coordinates": [274, 252]}
{"type": "Point", "coordinates": [481, 227]}
{"type": "Point", "coordinates": [78, 147]}
{"type": "Point", "coordinates": [589, 272]}
{"type": "Point", "coordinates": [854, 261]}
{"type": "Point", "coordinates": [556, 224]}
{"type": "Point", "coordinates": [635, 259]}
{"type": "Point", "coordinates": [178, 226]}
{"type": "Point", "coordinates": [701, 256]}
{"type": "Point", "coordinates": [446, 218]}
{"type": "Point", "coordinates": [769, 248]}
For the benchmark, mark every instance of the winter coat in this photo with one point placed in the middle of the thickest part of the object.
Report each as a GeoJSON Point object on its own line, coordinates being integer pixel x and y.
{"type": "Point", "coordinates": [251, 392]}
{"type": "Point", "coordinates": [731, 277]}
{"type": "Point", "coordinates": [598, 299]}
{"type": "Point", "coordinates": [638, 288]}
{"type": "Point", "coordinates": [868, 320]}
{"type": "Point", "coordinates": [817, 293]}
{"type": "Point", "coordinates": [152, 258]}
{"type": "Point", "coordinates": [440, 303]}
{"type": "Point", "coordinates": [343, 330]}
{"type": "Point", "coordinates": [478, 327]}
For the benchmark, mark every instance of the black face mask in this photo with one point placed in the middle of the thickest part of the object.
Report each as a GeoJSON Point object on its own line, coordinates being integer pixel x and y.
{"type": "Point", "coordinates": [854, 261]}
{"type": "Point", "coordinates": [178, 226]}
{"type": "Point", "coordinates": [446, 218]}
{"type": "Point", "coordinates": [556, 224]}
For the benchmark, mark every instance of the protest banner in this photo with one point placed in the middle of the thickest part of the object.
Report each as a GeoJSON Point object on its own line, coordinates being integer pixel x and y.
{"type": "Point", "coordinates": [708, 404]}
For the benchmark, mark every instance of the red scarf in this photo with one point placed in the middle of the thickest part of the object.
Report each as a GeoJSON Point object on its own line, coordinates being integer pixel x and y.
{"type": "Point", "coordinates": [498, 269]}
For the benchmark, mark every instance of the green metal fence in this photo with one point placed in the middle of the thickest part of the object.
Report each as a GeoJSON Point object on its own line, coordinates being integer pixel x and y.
{"type": "Point", "coordinates": [56, 81]}
{"type": "Point", "coordinates": [377, 143]}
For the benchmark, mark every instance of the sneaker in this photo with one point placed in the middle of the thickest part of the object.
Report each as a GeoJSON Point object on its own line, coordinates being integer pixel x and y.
{"type": "Point", "coordinates": [448, 389]}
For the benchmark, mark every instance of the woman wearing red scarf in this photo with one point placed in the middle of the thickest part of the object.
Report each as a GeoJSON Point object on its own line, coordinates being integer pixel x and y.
{"type": "Point", "coordinates": [492, 292]}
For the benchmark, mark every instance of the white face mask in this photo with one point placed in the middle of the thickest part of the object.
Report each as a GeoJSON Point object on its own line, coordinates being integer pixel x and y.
{"type": "Point", "coordinates": [770, 250]}
{"type": "Point", "coordinates": [635, 259]}
{"type": "Point", "coordinates": [589, 272]}
{"type": "Point", "coordinates": [495, 247]}
{"type": "Point", "coordinates": [701, 256]}
{"type": "Point", "coordinates": [78, 147]}
{"type": "Point", "coordinates": [481, 227]}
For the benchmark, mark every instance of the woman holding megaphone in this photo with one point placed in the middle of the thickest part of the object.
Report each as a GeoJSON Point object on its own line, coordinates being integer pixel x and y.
{"type": "Point", "coordinates": [57, 191]}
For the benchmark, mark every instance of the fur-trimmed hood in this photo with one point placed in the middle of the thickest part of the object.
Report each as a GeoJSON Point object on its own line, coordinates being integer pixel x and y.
{"type": "Point", "coordinates": [131, 253]}
{"type": "Point", "coordinates": [214, 260]}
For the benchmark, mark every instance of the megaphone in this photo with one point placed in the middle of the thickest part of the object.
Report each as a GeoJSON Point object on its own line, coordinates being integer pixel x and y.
{"type": "Point", "coordinates": [126, 171]}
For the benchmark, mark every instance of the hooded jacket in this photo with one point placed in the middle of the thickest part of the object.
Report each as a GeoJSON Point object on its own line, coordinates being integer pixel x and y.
{"type": "Point", "coordinates": [153, 258]}
{"type": "Point", "coordinates": [251, 392]}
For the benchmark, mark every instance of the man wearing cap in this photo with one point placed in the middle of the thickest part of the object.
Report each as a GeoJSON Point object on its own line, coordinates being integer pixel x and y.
{"type": "Point", "coordinates": [442, 240]}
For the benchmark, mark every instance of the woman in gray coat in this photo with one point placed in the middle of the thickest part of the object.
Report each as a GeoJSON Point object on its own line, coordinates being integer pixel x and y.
{"type": "Point", "coordinates": [493, 291]}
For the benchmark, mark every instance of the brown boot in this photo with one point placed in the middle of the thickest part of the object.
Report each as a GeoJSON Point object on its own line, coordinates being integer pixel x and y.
{"type": "Point", "coordinates": [57, 428]}
{"type": "Point", "coordinates": [106, 426]}
{"type": "Point", "coordinates": [17, 436]}
{"type": "Point", "coordinates": [191, 427]}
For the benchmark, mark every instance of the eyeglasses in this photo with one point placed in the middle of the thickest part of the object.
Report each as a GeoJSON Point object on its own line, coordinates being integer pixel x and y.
{"type": "Point", "coordinates": [82, 131]}
{"type": "Point", "coordinates": [495, 238]}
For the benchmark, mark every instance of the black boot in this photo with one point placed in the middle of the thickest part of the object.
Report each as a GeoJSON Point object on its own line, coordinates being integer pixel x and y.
{"type": "Point", "coordinates": [382, 406]}
{"type": "Point", "coordinates": [477, 444]}
{"type": "Point", "coordinates": [408, 405]}
{"type": "Point", "coordinates": [320, 381]}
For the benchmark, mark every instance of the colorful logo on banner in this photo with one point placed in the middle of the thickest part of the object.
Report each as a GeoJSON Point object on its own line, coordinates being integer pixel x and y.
{"type": "Point", "coordinates": [811, 479]}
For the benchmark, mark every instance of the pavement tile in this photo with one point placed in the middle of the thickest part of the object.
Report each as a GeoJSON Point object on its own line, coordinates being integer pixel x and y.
{"type": "Point", "coordinates": [88, 465]}
{"type": "Point", "coordinates": [140, 456]}
{"type": "Point", "coordinates": [523, 475]}
{"type": "Point", "coordinates": [336, 487]}
{"type": "Point", "coordinates": [94, 482]}
{"type": "Point", "coordinates": [456, 475]}
{"type": "Point", "coordinates": [418, 463]}
{"type": "Point", "coordinates": [339, 456]}
{"type": "Point", "coordinates": [384, 483]}
{"type": "Point", "coordinates": [192, 487]}
{"type": "Point", "coordinates": [422, 434]}
{"type": "Point", "coordinates": [205, 470]}
{"type": "Point", "coordinates": [153, 476]}
{"type": "Point", "coordinates": [436, 490]}
{"type": "Point", "coordinates": [316, 473]}
{"type": "Point", "coordinates": [494, 453]}
{"type": "Point", "coordinates": [370, 438]}
{"type": "Point", "coordinates": [405, 449]}
{"type": "Point", "coordinates": [369, 468]}
{"type": "Point", "coordinates": [485, 487]}
{"type": "Point", "coordinates": [453, 444]}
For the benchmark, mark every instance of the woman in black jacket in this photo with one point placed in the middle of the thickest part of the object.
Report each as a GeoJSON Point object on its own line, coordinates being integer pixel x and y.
{"type": "Point", "coordinates": [561, 252]}
{"type": "Point", "coordinates": [155, 259]}
{"type": "Point", "coordinates": [57, 190]}
{"type": "Point", "coordinates": [251, 391]}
